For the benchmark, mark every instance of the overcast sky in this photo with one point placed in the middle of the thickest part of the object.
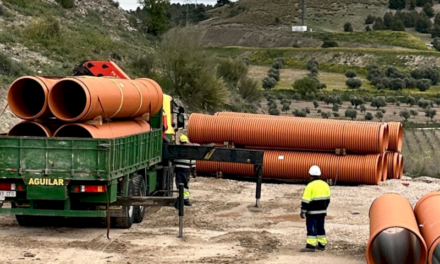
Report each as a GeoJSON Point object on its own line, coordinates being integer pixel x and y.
{"type": "Point", "coordinates": [133, 4]}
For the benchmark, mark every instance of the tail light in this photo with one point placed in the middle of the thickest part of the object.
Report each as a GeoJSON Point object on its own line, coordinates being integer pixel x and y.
{"type": "Point", "coordinates": [7, 186]}
{"type": "Point", "coordinates": [93, 188]}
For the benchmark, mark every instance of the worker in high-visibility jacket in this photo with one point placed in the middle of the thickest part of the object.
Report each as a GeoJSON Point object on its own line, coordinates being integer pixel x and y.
{"type": "Point", "coordinates": [184, 169]}
{"type": "Point", "coordinates": [315, 201]}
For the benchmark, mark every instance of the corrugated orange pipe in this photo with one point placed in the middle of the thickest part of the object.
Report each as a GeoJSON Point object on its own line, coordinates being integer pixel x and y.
{"type": "Point", "coordinates": [32, 129]}
{"type": "Point", "coordinates": [357, 169]}
{"type": "Point", "coordinates": [106, 130]}
{"type": "Point", "coordinates": [384, 166]}
{"type": "Point", "coordinates": [83, 98]}
{"type": "Point", "coordinates": [427, 212]}
{"type": "Point", "coordinates": [396, 136]}
{"type": "Point", "coordinates": [394, 233]}
{"type": "Point", "coordinates": [292, 133]}
{"type": "Point", "coordinates": [392, 164]}
{"type": "Point", "coordinates": [27, 96]}
{"type": "Point", "coordinates": [400, 173]}
{"type": "Point", "coordinates": [210, 167]}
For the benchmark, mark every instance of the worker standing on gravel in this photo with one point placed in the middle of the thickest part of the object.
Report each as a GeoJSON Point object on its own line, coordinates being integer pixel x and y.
{"type": "Point", "coordinates": [315, 201]}
{"type": "Point", "coordinates": [184, 169]}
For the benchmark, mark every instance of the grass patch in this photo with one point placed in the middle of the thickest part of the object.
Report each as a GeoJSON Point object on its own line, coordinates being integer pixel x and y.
{"type": "Point", "coordinates": [6, 37]}
{"type": "Point", "coordinates": [388, 38]}
{"type": "Point", "coordinates": [34, 8]}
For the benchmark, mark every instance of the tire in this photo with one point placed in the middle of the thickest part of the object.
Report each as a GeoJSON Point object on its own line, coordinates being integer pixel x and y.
{"type": "Point", "coordinates": [127, 220]}
{"type": "Point", "coordinates": [139, 190]}
{"type": "Point", "coordinates": [26, 220]}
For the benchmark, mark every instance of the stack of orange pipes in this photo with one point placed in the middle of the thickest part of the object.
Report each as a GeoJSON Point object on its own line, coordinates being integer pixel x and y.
{"type": "Point", "coordinates": [60, 107]}
{"type": "Point", "coordinates": [294, 144]}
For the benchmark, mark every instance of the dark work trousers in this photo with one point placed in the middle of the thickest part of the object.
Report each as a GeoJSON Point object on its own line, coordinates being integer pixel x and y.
{"type": "Point", "coordinates": [183, 176]}
{"type": "Point", "coordinates": [315, 230]}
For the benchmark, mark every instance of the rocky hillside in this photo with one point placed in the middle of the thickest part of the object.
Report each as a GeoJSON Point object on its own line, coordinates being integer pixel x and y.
{"type": "Point", "coordinates": [42, 36]}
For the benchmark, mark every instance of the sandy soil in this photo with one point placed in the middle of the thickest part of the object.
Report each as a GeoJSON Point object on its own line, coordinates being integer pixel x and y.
{"type": "Point", "coordinates": [223, 226]}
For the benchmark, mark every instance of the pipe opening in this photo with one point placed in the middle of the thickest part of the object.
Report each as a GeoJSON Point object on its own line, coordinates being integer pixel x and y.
{"type": "Point", "coordinates": [28, 130]}
{"type": "Point", "coordinates": [67, 99]}
{"type": "Point", "coordinates": [73, 131]}
{"type": "Point", "coordinates": [396, 246]}
{"type": "Point", "coordinates": [436, 255]}
{"type": "Point", "coordinates": [26, 98]}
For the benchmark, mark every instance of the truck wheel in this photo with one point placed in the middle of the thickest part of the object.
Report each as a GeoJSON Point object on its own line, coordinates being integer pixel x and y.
{"type": "Point", "coordinates": [128, 211]}
{"type": "Point", "coordinates": [139, 190]}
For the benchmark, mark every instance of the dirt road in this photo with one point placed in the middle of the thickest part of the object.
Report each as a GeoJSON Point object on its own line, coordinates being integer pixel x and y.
{"type": "Point", "coordinates": [223, 226]}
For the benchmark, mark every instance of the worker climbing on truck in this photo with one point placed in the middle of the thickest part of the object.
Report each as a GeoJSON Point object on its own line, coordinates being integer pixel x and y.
{"type": "Point", "coordinates": [184, 169]}
{"type": "Point", "coordinates": [315, 201]}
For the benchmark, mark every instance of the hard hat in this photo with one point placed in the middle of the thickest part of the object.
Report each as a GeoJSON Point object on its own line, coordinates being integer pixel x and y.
{"type": "Point", "coordinates": [183, 138]}
{"type": "Point", "coordinates": [315, 171]}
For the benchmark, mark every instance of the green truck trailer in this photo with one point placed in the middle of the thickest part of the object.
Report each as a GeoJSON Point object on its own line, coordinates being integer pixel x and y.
{"type": "Point", "coordinates": [112, 178]}
{"type": "Point", "coordinates": [78, 177]}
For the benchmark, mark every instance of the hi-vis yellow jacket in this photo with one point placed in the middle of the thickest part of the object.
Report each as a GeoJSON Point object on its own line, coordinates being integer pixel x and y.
{"type": "Point", "coordinates": [316, 198]}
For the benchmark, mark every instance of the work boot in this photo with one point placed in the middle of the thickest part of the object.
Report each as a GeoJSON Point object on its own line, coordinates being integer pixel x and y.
{"type": "Point", "coordinates": [321, 247]}
{"type": "Point", "coordinates": [308, 248]}
{"type": "Point", "coordinates": [186, 202]}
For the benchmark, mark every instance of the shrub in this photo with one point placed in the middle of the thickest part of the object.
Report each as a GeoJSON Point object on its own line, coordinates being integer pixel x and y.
{"type": "Point", "coordinates": [307, 110]}
{"type": "Point", "coordinates": [378, 24]}
{"type": "Point", "coordinates": [9, 67]}
{"type": "Point", "coordinates": [423, 24]}
{"type": "Point", "coordinates": [305, 85]}
{"type": "Point", "coordinates": [396, 4]}
{"type": "Point", "coordinates": [423, 84]}
{"type": "Point", "coordinates": [429, 11]}
{"type": "Point", "coordinates": [348, 27]}
{"type": "Point", "coordinates": [435, 31]}
{"type": "Point", "coordinates": [430, 112]}
{"type": "Point", "coordinates": [274, 111]}
{"type": "Point", "coordinates": [351, 113]}
{"type": "Point", "coordinates": [379, 115]}
{"type": "Point", "coordinates": [397, 25]}
{"type": "Point", "coordinates": [269, 83]}
{"type": "Point", "coordinates": [66, 3]}
{"type": "Point", "coordinates": [405, 114]}
{"type": "Point", "coordinates": [336, 114]}
{"type": "Point", "coordinates": [378, 102]}
{"type": "Point", "coordinates": [325, 115]}
{"type": "Point", "coordinates": [132, 21]}
{"type": "Point", "coordinates": [114, 3]}
{"type": "Point", "coordinates": [43, 29]}
{"type": "Point", "coordinates": [414, 113]}
{"type": "Point", "coordinates": [370, 19]}
{"type": "Point", "coordinates": [144, 65]}
{"type": "Point", "coordinates": [388, 20]}
{"type": "Point", "coordinates": [328, 43]}
{"type": "Point", "coordinates": [296, 96]}
{"type": "Point", "coordinates": [368, 116]}
{"type": "Point", "coordinates": [274, 75]}
{"type": "Point", "coordinates": [397, 84]}
{"type": "Point", "coordinates": [422, 103]}
{"type": "Point", "coordinates": [363, 108]}
{"type": "Point", "coordinates": [315, 104]}
{"type": "Point", "coordinates": [353, 83]}
{"type": "Point", "coordinates": [426, 73]}
{"type": "Point", "coordinates": [2, 11]}
{"type": "Point", "coordinates": [436, 43]}
{"type": "Point", "coordinates": [286, 107]}
{"type": "Point", "coordinates": [367, 28]}
{"type": "Point", "coordinates": [301, 113]}
{"type": "Point", "coordinates": [335, 108]}
{"type": "Point", "coordinates": [312, 63]}
{"type": "Point", "coordinates": [410, 100]}
{"type": "Point", "coordinates": [350, 74]}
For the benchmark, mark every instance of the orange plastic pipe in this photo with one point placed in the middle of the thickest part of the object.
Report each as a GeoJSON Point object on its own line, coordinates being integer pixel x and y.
{"type": "Point", "coordinates": [357, 169]}
{"type": "Point", "coordinates": [27, 96]}
{"type": "Point", "coordinates": [400, 173]}
{"type": "Point", "coordinates": [427, 212]}
{"type": "Point", "coordinates": [32, 129]}
{"type": "Point", "coordinates": [83, 98]}
{"type": "Point", "coordinates": [291, 133]}
{"type": "Point", "coordinates": [384, 166]}
{"type": "Point", "coordinates": [394, 233]}
{"type": "Point", "coordinates": [207, 166]}
{"type": "Point", "coordinates": [106, 130]}
{"type": "Point", "coordinates": [396, 136]}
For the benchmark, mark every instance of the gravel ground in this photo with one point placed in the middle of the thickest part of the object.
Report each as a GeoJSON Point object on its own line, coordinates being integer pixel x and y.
{"type": "Point", "coordinates": [222, 226]}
